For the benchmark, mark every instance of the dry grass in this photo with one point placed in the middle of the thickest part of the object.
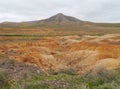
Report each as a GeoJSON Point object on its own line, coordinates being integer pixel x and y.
{"type": "Point", "coordinates": [82, 53]}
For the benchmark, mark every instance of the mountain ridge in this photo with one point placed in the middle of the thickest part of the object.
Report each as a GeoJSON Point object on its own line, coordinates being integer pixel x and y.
{"type": "Point", "coordinates": [58, 19]}
{"type": "Point", "coordinates": [61, 19]}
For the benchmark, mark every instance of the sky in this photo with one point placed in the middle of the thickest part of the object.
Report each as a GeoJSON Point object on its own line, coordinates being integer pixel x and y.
{"type": "Point", "coordinates": [88, 10]}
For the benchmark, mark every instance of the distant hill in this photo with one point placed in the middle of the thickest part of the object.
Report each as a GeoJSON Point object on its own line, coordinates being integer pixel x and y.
{"type": "Point", "coordinates": [61, 19]}
{"type": "Point", "coordinates": [57, 21]}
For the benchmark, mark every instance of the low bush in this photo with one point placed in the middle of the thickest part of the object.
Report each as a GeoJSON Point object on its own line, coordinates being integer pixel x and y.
{"type": "Point", "coordinates": [4, 82]}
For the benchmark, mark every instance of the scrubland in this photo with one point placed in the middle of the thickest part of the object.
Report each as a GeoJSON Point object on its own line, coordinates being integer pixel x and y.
{"type": "Point", "coordinates": [62, 62]}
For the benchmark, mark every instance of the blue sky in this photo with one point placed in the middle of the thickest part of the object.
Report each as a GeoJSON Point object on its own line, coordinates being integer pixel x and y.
{"type": "Point", "coordinates": [89, 10]}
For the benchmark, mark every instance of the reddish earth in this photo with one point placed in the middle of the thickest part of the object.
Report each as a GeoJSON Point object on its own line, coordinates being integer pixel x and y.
{"type": "Point", "coordinates": [82, 53]}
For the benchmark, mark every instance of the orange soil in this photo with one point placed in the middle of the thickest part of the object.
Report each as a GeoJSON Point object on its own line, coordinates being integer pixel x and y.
{"type": "Point", "coordinates": [83, 53]}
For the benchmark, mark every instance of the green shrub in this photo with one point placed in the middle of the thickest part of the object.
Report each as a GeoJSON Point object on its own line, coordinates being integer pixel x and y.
{"type": "Point", "coordinates": [100, 78]}
{"type": "Point", "coordinates": [37, 86]}
{"type": "Point", "coordinates": [4, 82]}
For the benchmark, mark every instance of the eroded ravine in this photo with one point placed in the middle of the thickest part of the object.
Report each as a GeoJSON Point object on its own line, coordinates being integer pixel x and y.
{"type": "Point", "coordinates": [82, 53]}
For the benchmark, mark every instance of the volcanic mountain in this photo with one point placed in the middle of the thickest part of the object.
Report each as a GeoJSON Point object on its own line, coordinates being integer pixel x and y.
{"type": "Point", "coordinates": [61, 19]}
{"type": "Point", "coordinates": [58, 19]}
